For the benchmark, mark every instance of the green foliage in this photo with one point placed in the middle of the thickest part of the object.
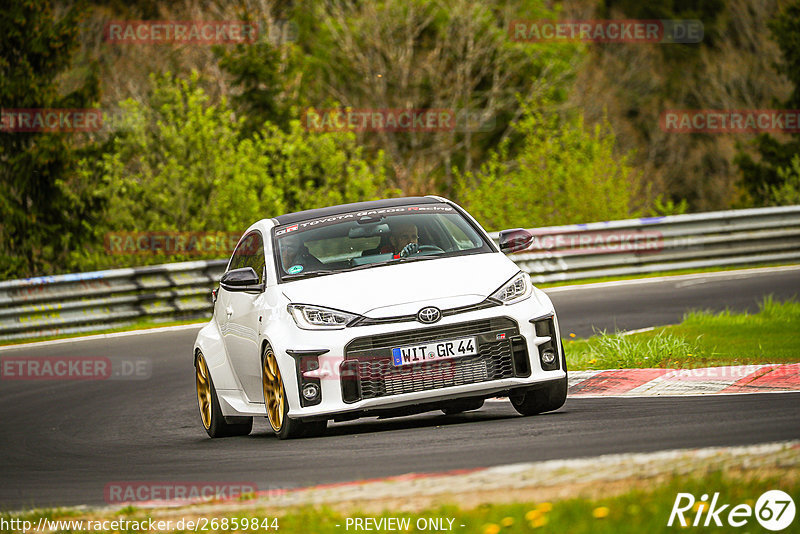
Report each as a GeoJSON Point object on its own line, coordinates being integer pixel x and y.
{"type": "Point", "coordinates": [785, 29]}
{"type": "Point", "coordinates": [702, 339]}
{"type": "Point", "coordinates": [772, 178]}
{"type": "Point", "coordinates": [669, 207]}
{"type": "Point", "coordinates": [190, 160]}
{"type": "Point", "coordinates": [321, 169]}
{"type": "Point", "coordinates": [428, 54]}
{"type": "Point", "coordinates": [788, 192]}
{"type": "Point", "coordinates": [762, 177]}
{"type": "Point", "coordinates": [36, 227]}
{"type": "Point", "coordinates": [620, 351]}
{"type": "Point", "coordinates": [255, 71]}
{"type": "Point", "coordinates": [707, 11]}
{"type": "Point", "coordinates": [562, 173]}
{"type": "Point", "coordinates": [182, 165]}
{"type": "Point", "coordinates": [639, 501]}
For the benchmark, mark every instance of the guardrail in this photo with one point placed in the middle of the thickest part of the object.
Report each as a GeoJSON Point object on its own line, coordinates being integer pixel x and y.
{"type": "Point", "coordinates": [70, 303]}
{"type": "Point", "coordinates": [52, 305]}
{"type": "Point", "coordinates": [657, 244]}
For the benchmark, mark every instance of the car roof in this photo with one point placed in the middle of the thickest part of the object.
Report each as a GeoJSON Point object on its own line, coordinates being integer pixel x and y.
{"type": "Point", "coordinates": [290, 218]}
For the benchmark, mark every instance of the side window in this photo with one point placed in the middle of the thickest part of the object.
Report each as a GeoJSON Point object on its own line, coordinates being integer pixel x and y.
{"type": "Point", "coordinates": [250, 253]}
{"type": "Point", "coordinates": [238, 258]}
{"type": "Point", "coordinates": [257, 261]}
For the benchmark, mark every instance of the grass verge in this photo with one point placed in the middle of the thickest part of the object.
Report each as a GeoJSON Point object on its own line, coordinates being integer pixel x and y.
{"type": "Point", "coordinates": [702, 339]}
{"type": "Point", "coordinates": [644, 509]}
{"type": "Point", "coordinates": [632, 512]}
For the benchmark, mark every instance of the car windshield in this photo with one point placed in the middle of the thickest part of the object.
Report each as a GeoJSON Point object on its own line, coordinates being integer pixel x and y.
{"type": "Point", "coordinates": [365, 239]}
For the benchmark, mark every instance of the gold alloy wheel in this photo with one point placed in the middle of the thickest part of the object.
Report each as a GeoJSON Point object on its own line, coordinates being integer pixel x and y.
{"type": "Point", "coordinates": [274, 397]}
{"type": "Point", "coordinates": [203, 391]}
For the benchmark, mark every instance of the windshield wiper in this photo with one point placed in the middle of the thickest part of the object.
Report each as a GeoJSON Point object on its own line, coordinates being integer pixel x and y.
{"type": "Point", "coordinates": [419, 258]}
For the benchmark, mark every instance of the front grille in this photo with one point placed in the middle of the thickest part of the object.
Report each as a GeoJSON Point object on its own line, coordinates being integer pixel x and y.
{"type": "Point", "coordinates": [436, 333]}
{"type": "Point", "coordinates": [372, 373]}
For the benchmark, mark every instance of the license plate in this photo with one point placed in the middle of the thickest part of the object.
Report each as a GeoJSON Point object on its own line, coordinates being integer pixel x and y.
{"type": "Point", "coordinates": [434, 351]}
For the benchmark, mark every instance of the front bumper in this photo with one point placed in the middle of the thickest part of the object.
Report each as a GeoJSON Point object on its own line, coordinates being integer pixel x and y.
{"type": "Point", "coordinates": [354, 373]}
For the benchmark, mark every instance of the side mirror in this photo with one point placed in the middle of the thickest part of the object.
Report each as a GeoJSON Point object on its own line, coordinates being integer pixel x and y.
{"type": "Point", "coordinates": [515, 240]}
{"type": "Point", "coordinates": [244, 279]}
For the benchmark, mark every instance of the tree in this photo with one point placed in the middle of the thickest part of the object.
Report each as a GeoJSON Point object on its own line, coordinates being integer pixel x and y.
{"type": "Point", "coordinates": [770, 177]}
{"type": "Point", "coordinates": [731, 68]}
{"type": "Point", "coordinates": [260, 71]}
{"type": "Point", "coordinates": [182, 164]}
{"type": "Point", "coordinates": [424, 54]}
{"type": "Point", "coordinates": [36, 228]}
{"type": "Point", "coordinates": [562, 173]}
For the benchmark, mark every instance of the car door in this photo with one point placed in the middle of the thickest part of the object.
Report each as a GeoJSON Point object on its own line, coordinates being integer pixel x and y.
{"type": "Point", "coordinates": [238, 316]}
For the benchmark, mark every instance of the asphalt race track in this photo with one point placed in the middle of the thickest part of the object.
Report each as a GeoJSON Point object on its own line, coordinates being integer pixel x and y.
{"type": "Point", "coordinates": [63, 442]}
{"type": "Point", "coordinates": [641, 303]}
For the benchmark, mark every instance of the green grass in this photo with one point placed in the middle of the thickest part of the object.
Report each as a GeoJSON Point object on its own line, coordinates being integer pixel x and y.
{"type": "Point", "coordinates": [632, 511]}
{"type": "Point", "coordinates": [676, 272]}
{"type": "Point", "coordinates": [703, 339]}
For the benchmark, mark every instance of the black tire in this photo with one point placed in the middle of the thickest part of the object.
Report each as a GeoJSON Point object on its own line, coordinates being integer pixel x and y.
{"type": "Point", "coordinates": [546, 398]}
{"type": "Point", "coordinates": [460, 406]}
{"type": "Point", "coordinates": [295, 428]}
{"type": "Point", "coordinates": [287, 428]}
{"type": "Point", "coordinates": [216, 424]}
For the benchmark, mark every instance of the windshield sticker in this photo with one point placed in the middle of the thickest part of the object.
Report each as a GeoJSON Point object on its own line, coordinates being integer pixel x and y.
{"type": "Point", "coordinates": [291, 228]}
{"type": "Point", "coordinates": [400, 210]}
{"type": "Point", "coordinates": [294, 269]}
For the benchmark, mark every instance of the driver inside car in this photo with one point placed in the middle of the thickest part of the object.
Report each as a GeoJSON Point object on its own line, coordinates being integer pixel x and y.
{"type": "Point", "coordinates": [295, 256]}
{"type": "Point", "coordinates": [404, 239]}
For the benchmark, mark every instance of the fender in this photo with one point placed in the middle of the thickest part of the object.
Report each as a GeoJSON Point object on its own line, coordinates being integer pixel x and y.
{"type": "Point", "coordinates": [209, 342]}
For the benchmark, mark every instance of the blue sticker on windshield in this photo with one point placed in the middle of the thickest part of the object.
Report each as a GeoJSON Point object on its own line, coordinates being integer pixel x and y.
{"type": "Point", "coordinates": [294, 269]}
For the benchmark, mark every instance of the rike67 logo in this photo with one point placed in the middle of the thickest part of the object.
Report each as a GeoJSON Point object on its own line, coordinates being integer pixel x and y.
{"type": "Point", "coordinates": [774, 510]}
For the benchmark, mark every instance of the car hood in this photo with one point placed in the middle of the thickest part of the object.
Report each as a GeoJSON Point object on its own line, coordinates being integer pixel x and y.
{"type": "Point", "coordinates": [404, 288]}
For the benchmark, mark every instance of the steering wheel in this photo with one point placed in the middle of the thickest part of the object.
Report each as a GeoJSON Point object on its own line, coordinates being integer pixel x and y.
{"type": "Point", "coordinates": [429, 248]}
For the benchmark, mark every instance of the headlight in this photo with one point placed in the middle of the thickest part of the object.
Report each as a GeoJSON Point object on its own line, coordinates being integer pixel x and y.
{"type": "Point", "coordinates": [318, 318]}
{"type": "Point", "coordinates": [515, 290]}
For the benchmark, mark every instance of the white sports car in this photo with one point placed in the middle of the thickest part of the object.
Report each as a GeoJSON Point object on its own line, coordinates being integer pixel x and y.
{"type": "Point", "coordinates": [381, 308]}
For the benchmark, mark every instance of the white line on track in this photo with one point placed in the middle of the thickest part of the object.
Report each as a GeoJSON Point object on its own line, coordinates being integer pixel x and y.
{"type": "Point", "coordinates": [738, 273]}
{"type": "Point", "coordinates": [676, 395]}
{"type": "Point", "coordinates": [671, 396]}
{"type": "Point", "coordinates": [639, 330]}
{"type": "Point", "coordinates": [157, 330]}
